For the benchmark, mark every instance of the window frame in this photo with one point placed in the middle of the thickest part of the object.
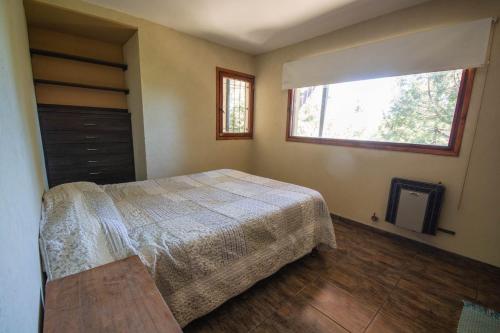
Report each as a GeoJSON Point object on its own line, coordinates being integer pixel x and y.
{"type": "Point", "coordinates": [222, 73]}
{"type": "Point", "coordinates": [456, 134]}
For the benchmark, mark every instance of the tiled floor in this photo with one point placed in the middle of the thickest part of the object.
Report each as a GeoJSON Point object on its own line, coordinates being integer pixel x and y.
{"type": "Point", "coordinates": [371, 283]}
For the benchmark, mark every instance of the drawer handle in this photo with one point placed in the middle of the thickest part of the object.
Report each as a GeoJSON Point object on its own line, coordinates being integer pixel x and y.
{"type": "Point", "coordinates": [89, 124]}
{"type": "Point", "coordinates": [90, 137]}
{"type": "Point", "coordinates": [92, 149]}
{"type": "Point", "coordinates": [91, 161]}
{"type": "Point", "coordinates": [95, 173]}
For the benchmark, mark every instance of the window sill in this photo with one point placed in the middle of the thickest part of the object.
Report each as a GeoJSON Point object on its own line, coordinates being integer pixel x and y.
{"type": "Point", "coordinates": [451, 150]}
{"type": "Point", "coordinates": [231, 136]}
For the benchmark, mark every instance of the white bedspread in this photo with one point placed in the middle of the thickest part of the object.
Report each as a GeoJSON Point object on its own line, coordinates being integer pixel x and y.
{"type": "Point", "coordinates": [204, 237]}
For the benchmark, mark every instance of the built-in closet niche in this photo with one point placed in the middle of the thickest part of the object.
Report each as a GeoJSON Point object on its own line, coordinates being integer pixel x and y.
{"type": "Point", "coordinates": [82, 96]}
{"type": "Point", "coordinates": [73, 70]}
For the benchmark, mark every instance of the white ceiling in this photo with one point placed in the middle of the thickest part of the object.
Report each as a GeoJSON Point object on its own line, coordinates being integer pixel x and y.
{"type": "Point", "coordinates": [256, 26]}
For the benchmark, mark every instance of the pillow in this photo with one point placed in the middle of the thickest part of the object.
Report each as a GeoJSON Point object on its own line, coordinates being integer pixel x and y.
{"type": "Point", "coordinates": [80, 229]}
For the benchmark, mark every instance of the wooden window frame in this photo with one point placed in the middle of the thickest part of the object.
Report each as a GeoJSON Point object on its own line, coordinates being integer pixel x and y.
{"type": "Point", "coordinates": [222, 73]}
{"type": "Point", "coordinates": [454, 143]}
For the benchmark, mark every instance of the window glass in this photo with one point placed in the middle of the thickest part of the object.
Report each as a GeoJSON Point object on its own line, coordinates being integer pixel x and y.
{"type": "Point", "coordinates": [235, 105]}
{"type": "Point", "coordinates": [413, 109]}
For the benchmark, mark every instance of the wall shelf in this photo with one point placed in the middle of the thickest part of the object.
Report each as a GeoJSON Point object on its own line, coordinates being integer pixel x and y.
{"type": "Point", "coordinates": [76, 108]}
{"type": "Point", "coordinates": [79, 85]}
{"type": "Point", "coordinates": [78, 58]}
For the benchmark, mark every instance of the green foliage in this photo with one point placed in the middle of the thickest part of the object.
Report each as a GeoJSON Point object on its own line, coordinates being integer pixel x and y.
{"type": "Point", "coordinates": [422, 113]}
{"type": "Point", "coordinates": [307, 120]}
{"type": "Point", "coordinates": [237, 106]}
{"type": "Point", "coordinates": [237, 119]}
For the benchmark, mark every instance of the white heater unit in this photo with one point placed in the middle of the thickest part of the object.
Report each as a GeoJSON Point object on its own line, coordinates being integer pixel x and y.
{"type": "Point", "coordinates": [414, 205]}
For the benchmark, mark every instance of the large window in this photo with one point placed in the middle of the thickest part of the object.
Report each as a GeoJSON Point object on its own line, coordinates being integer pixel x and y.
{"type": "Point", "coordinates": [419, 113]}
{"type": "Point", "coordinates": [234, 104]}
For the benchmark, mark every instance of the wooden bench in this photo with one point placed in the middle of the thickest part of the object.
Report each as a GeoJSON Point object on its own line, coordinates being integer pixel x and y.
{"type": "Point", "coordinates": [117, 297]}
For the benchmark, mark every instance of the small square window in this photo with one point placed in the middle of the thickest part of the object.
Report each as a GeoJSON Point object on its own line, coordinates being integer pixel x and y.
{"type": "Point", "coordinates": [234, 104]}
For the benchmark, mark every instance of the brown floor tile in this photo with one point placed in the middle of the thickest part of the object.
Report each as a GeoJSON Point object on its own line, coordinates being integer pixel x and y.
{"type": "Point", "coordinates": [391, 255]}
{"type": "Point", "coordinates": [436, 273]}
{"type": "Point", "coordinates": [372, 267]}
{"type": "Point", "coordinates": [388, 324]}
{"type": "Point", "coordinates": [379, 256]}
{"type": "Point", "coordinates": [432, 310]}
{"type": "Point", "coordinates": [371, 292]}
{"type": "Point", "coordinates": [299, 317]}
{"type": "Point", "coordinates": [488, 293]}
{"type": "Point", "coordinates": [322, 259]}
{"type": "Point", "coordinates": [338, 305]}
{"type": "Point", "coordinates": [307, 268]}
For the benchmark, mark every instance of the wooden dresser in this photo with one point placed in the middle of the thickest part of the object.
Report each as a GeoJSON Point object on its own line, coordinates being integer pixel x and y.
{"type": "Point", "coordinates": [86, 144]}
{"type": "Point", "coordinates": [117, 297]}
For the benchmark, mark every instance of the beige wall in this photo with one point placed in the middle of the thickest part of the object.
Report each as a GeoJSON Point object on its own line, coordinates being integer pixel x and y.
{"type": "Point", "coordinates": [354, 181]}
{"type": "Point", "coordinates": [21, 178]}
{"type": "Point", "coordinates": [178, 96]}
{"type": "Point", "coordinates": [178, 93]}
{"type": "Point", "coordinates": [178, 99]}
{"type": "Point", "coordinates": [134, 101]}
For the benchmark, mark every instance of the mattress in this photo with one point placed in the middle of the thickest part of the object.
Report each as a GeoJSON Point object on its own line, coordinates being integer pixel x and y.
{"type": "Point", "coordinates": [204, 237]}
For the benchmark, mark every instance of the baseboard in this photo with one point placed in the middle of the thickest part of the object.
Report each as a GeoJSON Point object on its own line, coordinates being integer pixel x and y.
{"type": "Point", "coordinates": [423, 246]}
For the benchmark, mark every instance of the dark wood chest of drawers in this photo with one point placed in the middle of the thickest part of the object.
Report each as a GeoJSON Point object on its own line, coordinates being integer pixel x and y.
{"type": "Point", "coordinates": [86, 144]}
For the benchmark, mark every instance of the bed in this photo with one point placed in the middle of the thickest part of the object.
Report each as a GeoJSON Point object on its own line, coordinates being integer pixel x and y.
{"type": "Point", "coordinates": [204, 238]}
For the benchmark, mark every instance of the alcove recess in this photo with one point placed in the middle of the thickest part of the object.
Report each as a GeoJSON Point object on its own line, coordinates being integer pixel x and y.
{"type": "Point", "coordinates": [81, 78]}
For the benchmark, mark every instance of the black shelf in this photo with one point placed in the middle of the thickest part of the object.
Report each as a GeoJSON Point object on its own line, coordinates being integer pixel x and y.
{"type": "Point", "coordinates": [78, 58]}
{"type": "Point", "coordinates": [79, 85]}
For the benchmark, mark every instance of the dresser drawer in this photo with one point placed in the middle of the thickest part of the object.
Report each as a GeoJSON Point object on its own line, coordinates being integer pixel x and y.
{"type": "Point", "coordinates": [51, 137]}
{"type": "Point", "coordinates": [87, 161]}
{"type": "Point", "coordinates": [87, 149]}
{"type": "Point", "coordinates": [86, 144]}
{"type": "Point", "coordinates": [84, 122]}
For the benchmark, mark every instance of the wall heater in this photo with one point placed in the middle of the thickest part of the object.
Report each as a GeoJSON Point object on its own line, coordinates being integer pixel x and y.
{"type": "Point", "coordinates": [414, 205]}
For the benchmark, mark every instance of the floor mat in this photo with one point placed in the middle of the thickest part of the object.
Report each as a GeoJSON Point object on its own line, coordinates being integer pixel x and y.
{"type": "Point", "coordinates": [478, 319]}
